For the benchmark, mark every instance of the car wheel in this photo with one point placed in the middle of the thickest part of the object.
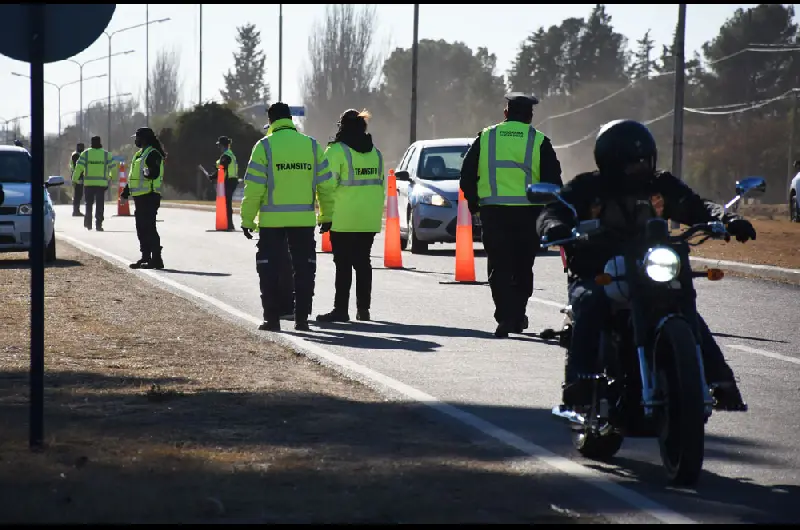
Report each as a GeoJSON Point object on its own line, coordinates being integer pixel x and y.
{"type": "Point", "coordinates": [417, 246]}
{"type": "Point", "coordinates": [794, 211]}
{"type": "Point", "coordinates": [50, 251]}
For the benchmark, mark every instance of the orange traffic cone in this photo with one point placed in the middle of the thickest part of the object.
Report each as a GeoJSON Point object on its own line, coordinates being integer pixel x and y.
{"type": "Point", "coordinates": [326, 242]}
{"type": "Point", "coordinates": [465, 254]}
{"type": "Point", "coordinates": [222, 208]}
{"type": "Point", "coordinates": [123, 206]}
{"type": "Point", "coordinates": [392, 256]}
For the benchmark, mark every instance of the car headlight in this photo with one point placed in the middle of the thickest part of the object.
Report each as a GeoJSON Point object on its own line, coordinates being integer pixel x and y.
{"type": "Point", "coordinates": [434, 199]}
{"type": "Point", "coordinates": [25, 209]}
{"type": "Point", "coordinates": [662, 264]}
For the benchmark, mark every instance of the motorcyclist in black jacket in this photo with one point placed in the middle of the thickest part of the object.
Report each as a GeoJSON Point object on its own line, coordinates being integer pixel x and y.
{"type": "Point", "coordinates": [625, 192]}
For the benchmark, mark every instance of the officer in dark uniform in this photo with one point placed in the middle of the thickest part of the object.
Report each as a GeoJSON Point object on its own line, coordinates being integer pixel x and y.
{"type": "Point", "coordinates": [497, 168]}
{"type": "Point", "coordinates": [77, 187]}
{"type": "Point", "coordinates": [625, 192]}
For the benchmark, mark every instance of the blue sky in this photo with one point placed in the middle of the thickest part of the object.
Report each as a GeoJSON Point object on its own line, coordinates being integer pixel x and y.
{"type": "Point", "coordinates": [500, 27]}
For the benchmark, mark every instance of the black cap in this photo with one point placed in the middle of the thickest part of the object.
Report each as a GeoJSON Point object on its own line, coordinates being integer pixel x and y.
{"type": "Point", "coordinates": [520, 100]}
{"type": "Point", "coordinates": [224, 140]}
{"type": "Point", "coordinates": [144, 132]}
{"type": "Point", "coordinates": [279, 111]}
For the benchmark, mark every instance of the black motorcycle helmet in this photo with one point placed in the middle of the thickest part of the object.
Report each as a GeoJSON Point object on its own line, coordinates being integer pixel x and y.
{"type": "Point", "coordinates": [625, 148]}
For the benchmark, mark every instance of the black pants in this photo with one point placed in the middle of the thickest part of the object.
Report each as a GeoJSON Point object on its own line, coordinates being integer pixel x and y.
{"type": "Point", "coordinates": [145, 211]}
{"type": "Point", "coordinates": [274, 245]}
{"type": "Point", "coordinates": [590, 306]}
{"type": "Point", "coordinates": [94, 195]}
{"type": "Point", "coordinates": [351, 251]}
{"type": "Point", "coordinates": [511, 243]}
{"type": "Point", "coordinates": [77, 195]}
{"type": "Point", "coordinates": [230, 188]}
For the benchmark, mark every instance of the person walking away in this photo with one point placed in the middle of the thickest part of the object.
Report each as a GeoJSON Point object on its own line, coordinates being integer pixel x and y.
{"type": "Point", "coordinates": [227, 161]}
{"type": "Point", "coordinates": [354, 213]}
{"type": "Point", "coordinates": [77, 184]}
{"type": "Point", "coordinates": [144, 185]}
{"type": "Point", "coordinates": [502, 161]}
{"type": "Point", "coordinates": [286, 172]}
{"type": "Point", "coordinates": [96, 165]}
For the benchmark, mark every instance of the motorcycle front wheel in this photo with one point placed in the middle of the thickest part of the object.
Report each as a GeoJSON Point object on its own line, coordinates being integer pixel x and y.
{"type": "Point", "coordinates": [681, 420]}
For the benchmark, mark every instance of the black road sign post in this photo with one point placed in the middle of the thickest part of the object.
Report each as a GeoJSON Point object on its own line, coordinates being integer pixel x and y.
{"type": "Point", "coordinates": [37, 34]}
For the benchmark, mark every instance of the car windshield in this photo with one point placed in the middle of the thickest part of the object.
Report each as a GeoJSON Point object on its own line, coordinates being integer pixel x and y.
{"type": "Point", "coordinates": [441, 162]}
{"type": "Point", "coordinates": [15, 166]}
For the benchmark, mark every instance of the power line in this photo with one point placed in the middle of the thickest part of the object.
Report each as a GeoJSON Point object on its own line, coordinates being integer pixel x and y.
{"type": "Point", "coordinates": [706, 111]}
{"type": "Point", "coordinates": [661, 74]}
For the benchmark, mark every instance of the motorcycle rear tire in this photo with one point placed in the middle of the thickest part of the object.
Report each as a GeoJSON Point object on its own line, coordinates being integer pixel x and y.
{"type": "Point", "coordinates": [681, 421]}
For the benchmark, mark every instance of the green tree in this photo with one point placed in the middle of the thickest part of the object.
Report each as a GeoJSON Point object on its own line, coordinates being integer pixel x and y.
{"type": "Point", "coordinates": [244, 84]}
{"type": "Point", "coordinates": [602, 51]}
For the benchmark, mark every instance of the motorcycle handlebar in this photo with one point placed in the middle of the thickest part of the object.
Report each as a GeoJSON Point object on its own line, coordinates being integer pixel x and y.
{"type": "Point", "coordinates": [713, 230]}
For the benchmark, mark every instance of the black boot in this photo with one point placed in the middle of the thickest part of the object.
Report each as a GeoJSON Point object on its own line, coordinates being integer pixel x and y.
{"type": "Point", "coordinates": [99, 226]}
{"type": "Point", "coordinates": [336, 315]}
{"type": "Point", "coordinates": [143, 261]}
{"type": "Point", "coordinates": [270, 325]}
{"type": "Point", "coordinates": [363, 315]}
{"type": "Point", "coordinates": [156, 262]}
{"type": "Point", "coordinates": [727, 397]}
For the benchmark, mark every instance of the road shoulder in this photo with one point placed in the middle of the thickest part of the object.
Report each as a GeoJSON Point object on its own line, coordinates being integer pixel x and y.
{"type": "Point", "coordinates": [158, 411]}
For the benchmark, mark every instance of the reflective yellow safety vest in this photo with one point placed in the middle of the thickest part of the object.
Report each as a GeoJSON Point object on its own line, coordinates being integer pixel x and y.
{"type": "Point", "coordinates": [233, 167]}
{"type": "Point", "coordinates": [286, 173]}
{"type": "Point", "coordinates": [96, 165]}
{"type": "Point", "coordinates": [137, 182]}
{"type": "Point", "coordinates": [509, 162]}
{"type": "Point", "coordinates": [357, 202]}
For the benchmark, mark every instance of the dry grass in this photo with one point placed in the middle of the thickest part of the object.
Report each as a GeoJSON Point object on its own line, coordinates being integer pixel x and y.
{"type": "Point", "coordinates": [157, 411]}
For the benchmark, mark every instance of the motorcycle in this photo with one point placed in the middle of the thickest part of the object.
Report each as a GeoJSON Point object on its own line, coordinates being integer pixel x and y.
{"type": "Point", "coordinates": [650, 380]}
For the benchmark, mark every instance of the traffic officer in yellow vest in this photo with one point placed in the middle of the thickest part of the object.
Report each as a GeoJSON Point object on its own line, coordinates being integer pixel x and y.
{"type": "Point", "coordinates": [95, 164]}
{"type": "Point", "coordinates": [77, 184]}
{"type": "Point", "coordinates": [144, 185]}
{"type": "Point", "coordinates": [286, 172]}
{"type": "Point", "coordinates": [501, 163]}
{"type": "Point", "coordinates": [227, 160]}
{"type": "Point", "coordinates": [354, 214]}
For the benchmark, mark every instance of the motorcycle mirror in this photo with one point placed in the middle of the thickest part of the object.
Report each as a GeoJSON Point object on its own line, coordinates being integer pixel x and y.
{"type": "Point", "coordinates": [542, 193]}
{"type": "Point", "coordinates": [751, 186]}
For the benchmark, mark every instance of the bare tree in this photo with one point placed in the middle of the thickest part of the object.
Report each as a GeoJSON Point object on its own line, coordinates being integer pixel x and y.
{"type": "Point", "coordinates": [343, 65]}
{"type": "Point", "coordinates": [165, 83]}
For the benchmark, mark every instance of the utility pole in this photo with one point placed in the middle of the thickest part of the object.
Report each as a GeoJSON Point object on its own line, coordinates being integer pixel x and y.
{"type": "Point", "coordinates": [414, 69]}
{"type": "Point", "coordinates": [646, 79]}
{"type": "Point", "coordinates": [280, 52]}
{"type": "Point", "coordinates": [677, 116]}
{"type": "Point", "coordinates": [200, 88]}
{"type": "Point", "coordinates": [147, 64]}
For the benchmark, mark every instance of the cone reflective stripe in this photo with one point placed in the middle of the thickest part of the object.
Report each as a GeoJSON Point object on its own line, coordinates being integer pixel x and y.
{"type": "Point", "coordinates": [392, 255]}
{"type": "Point", "coordinates": [123, 206]}
{"type": "Point", "coordinates": [222, 208]}
{"type": "Point", "coordinates": [326, 242]}
{"type": "Point", "coordinates": [465, 254]}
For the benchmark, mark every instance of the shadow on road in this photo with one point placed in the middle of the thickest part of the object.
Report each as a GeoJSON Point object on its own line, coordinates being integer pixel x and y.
{"type": "Point", "coordinates": [757, 339]}
{"type": "Point", "coordinates": [393, 328]}
{"type": "Point", "coordinates": [195, 273]}
{"type": "Point", "coordinates": [12, 264]}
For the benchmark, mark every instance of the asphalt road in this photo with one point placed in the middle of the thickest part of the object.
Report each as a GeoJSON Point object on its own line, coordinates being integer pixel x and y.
{"type": "Point", "coordinates": [435, 336]}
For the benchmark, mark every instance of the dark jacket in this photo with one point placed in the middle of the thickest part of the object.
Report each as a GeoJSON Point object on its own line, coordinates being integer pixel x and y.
{"type": "Point", "coordinates": [623, 211]}
{"type": "Point", "coordinates": [359, 142]}
{"type": "Point", "coordinates": [550, 170]}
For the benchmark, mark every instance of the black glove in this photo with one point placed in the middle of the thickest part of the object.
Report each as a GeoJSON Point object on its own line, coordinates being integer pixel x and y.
{"type": "Point", "coordinates": [742, 230]}
{"type": "Point", "coordinates": [558, 232]}
{"type": "Point", "coordinates": [126, 193]}
{"type": "Point", "coordinates": [324, 227]}
{"type": "Point", "coordinates": [247, 233]}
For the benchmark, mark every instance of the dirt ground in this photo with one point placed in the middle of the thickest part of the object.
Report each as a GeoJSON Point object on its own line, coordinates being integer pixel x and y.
{"type": "Point", "coordinates": [777, 243]}
{"type": "Point", "coordinates": [159, 412]}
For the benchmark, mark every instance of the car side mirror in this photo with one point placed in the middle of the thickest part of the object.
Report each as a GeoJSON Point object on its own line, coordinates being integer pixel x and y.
{"type": "Point", "coordinates": [54, 181]}
{"type": "Point", "coordinates": [402, 175]}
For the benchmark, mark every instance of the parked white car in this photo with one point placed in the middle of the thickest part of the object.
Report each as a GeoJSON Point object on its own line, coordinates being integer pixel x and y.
{"type": "Point", "coordinates": [16, 209]}
{"type": "Point", "coordinates": [794, 199]}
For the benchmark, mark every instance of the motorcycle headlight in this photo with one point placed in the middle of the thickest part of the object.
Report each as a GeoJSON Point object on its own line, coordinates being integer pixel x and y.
{"type": "Point", "coordinates": [434, 199]}
{"type": "Point", "coordinates": [662, 264]}
{"type": "Point", "coordinates": [25, 209]}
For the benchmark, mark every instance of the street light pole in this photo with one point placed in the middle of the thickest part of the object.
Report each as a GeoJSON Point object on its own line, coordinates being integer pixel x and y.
{"type": "Point", "coordinates": [80, 66]}
{"type": "Point", "coordinates": [58, 88]}
{"type": "Point", "coordinates": [200, 87]}
{"type": "Point", "coordinates": [147, 63]}
{"type": "Point", "coordinates": [109, 35]}
{"type": "Point", "coordinates": [280, 52]}
{"type": "Point", "coordinates": [414, 69]}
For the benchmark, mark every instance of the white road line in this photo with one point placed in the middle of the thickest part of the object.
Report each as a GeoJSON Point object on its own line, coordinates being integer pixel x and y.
{"type": "Point", "coordinates": [765, 353]}
{"type": "Point", "coordinates": [590, 476]}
